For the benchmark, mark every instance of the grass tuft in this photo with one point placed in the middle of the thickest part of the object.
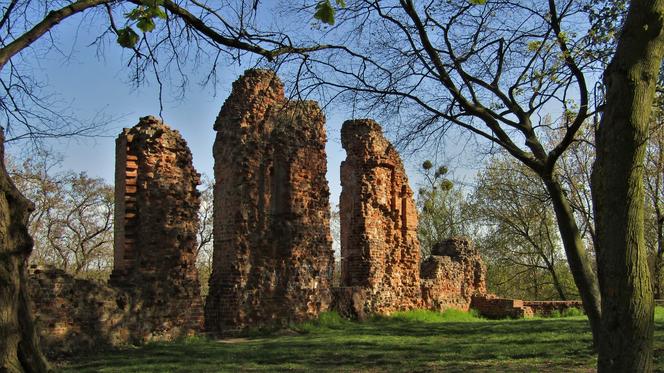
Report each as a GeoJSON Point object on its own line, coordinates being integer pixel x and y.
{"type": "Point", "coordinates": [426, 316]}
{"type": "Point", "coordinates": [326, 320]}
{"type": "Point", "coordinates": [568, 312]}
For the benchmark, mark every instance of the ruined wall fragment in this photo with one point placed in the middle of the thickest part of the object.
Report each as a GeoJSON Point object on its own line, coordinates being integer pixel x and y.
{"type": "Point", "coordinates": [156, 221]}
{"type": "Point", "coordinates": [452, 275]}
{"type": "Point", "coordinates": [75, 315]}
{"type": "Point", "coordinates": [380, 252]}
{"type": "Point", "coordinates": [272, 247]}
{"type": "Point", "coordinates": [492, 307]}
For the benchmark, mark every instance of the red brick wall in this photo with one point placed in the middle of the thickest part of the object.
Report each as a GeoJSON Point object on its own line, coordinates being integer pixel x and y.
{"type": "Point", "coordinates": [380, 252]}
{"type": "Point", "coordinates": [452, 275]}
{"type": "Point", "coordinates": [273, 251]}
{"type": "Point", "coordinates": [74, 315]}
{"type": "Point", "coordinates": [156, 225]}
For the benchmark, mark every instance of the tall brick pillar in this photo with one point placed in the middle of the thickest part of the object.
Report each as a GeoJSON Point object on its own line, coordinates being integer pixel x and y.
{"type": "Point", "coordinates": [380, 252]}
{"type": "Point", "coordinates": [272, 246]}
{"type": "Point", "coordinates": [156, 220]}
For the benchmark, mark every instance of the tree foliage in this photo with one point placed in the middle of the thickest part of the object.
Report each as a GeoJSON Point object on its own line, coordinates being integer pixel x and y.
{"type": "Point", "coordinates": [205, 235]}
{"type": "Point", "coordinates": [72, 223]}
{"type": "Point", "coordinates": [164, 39]}
{"type": "Point", "coordinates": [519, 236]}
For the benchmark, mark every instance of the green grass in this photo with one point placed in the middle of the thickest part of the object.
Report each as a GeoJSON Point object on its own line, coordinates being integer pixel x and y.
{"type": "Point", "coordinates": [416, 341]}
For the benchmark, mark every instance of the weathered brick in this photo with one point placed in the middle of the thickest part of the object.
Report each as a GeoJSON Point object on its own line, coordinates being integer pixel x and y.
{"type": "Point", "coordinates": [380, 252]}
{"type": "Point", "coordinates": [273, 251]}
{"type": "Point", "coordinates": [156, 221]}
{"type": "Point", "coordinates": [452, 275]}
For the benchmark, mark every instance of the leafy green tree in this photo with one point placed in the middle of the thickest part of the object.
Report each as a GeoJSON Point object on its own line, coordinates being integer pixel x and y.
{"type": "Point", "coordinates": [519, 235]}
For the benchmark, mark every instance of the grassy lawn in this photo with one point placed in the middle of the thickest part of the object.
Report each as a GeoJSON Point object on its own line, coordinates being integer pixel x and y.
{"type": "Point", "coordinates": [416, 341]}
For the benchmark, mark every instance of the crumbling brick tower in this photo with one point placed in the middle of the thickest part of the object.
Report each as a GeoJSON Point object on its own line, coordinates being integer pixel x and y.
{"type": "Point", "coordinates": [156, 221]}
{"type": "Point", "coordinates": [452, 275]}
{"type": "Point", "coordinates": [380, 252]}
{"type": "Point", "coordinates": [272, 246]}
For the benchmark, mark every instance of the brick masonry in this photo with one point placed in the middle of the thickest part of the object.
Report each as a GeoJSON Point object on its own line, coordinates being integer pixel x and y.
{"type": "Point", "coordinates": [273, 259]}
{"type": "Point", "coordinates": [273, 255]}
{"type": "Point", "coordinates": [156, 221]}
{"type": "Point", "coordinates": [380, 253]}
{"type": "Point", "coordinates": [452, 275]}
{"type": "Point", "coordinates": [75, 315]}
{"type": "Point", "coordinates": [493, 307]}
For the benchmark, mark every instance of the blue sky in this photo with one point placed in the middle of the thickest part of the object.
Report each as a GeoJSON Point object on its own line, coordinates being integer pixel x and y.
{"type": "Point", "coordinates": [92, 83]}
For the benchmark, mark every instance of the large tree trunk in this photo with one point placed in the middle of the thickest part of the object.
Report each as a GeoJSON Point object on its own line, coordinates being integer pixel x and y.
{"type": "Point", "coordinates": [579, 263]}
{"type": "Point", "coordinates": [19, 348]}
{"type": "Point", "coordinates": [618, 192]}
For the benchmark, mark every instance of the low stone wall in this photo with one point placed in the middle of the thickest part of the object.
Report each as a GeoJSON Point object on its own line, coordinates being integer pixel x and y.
{"type": "Point", "coordinates": [493, 307]}
{"type": "Point", "coordinates": [547, 307]}
{"type": "Point", "coordinates": [75, 315]}
{"type": "Point", "coordinates": [496, 308]}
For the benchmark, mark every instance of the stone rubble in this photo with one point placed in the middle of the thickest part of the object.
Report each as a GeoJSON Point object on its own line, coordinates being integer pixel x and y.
{"type": "Point", "coordinates": [452, 275]}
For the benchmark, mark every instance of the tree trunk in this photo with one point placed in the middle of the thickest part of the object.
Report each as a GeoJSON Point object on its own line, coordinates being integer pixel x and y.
{"type": "Point", "coordinates": [660, 254]}
{"type": "Point", "coordinates": [552, 271]}
{"type": "Point", "coordinates": [556, 282]}
{"type": "Point", "coordinates": [618, 192]}
{"type": "Point", "coordinates": [579, 263]}
{"type": "Point", "coordinates": [659, 263]}
{"type": "Point", "coordinates": [19, 348]}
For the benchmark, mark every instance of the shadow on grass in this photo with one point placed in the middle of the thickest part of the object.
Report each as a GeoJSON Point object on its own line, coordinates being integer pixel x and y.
{"type": "Point", "coordinates": [379, 345]}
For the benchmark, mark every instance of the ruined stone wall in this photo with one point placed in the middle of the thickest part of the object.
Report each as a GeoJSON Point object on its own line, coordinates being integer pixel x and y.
{"type": "Point", "coordinates": [156, 224]}
{"type": "Point", "coordinates": [272, 246]}
{"type": "Point", "coordinates": [75, 315]}
{"type": "Point", "coordinates": [452, 275]}
{"type": "Point", "coordinates": [380, 252]}
{"type": "Point", "coordinates": [492, 307]}
{"type": "Point", "coordinates": [549, 307]}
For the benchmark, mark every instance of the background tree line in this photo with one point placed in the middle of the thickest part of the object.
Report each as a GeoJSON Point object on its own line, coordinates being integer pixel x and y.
{"type": "Point", "coordinates": [72, 221]}
{"type": "Point", "coordinates": [507, 212]}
